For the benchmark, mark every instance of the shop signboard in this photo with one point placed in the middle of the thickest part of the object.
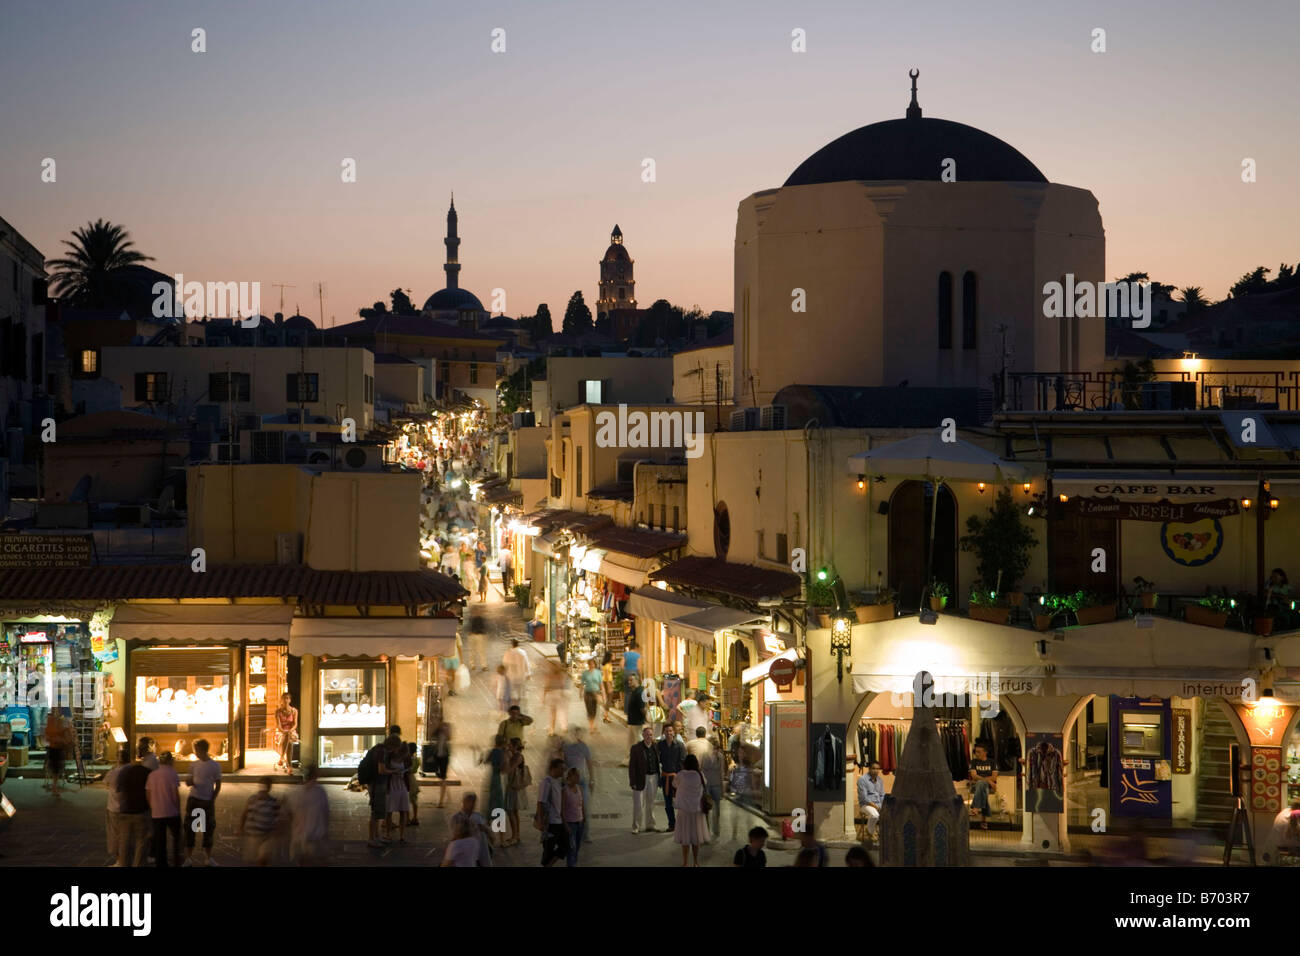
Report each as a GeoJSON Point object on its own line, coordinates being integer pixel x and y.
{"type": "Point", "coordinates": [1111, 507]}
{"type": "Point", "coordinates": [1182, 740]}
{"type": "Point", "coordinates": [1266, 779]}
{"type": "Point", "coordinates": [45, 551]}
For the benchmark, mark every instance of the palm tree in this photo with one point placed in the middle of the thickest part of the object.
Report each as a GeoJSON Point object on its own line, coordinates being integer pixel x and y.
{"type": "Point", "coordinates": [1193, 299]}
{"type": "Point", "coordinates": [100, 251]}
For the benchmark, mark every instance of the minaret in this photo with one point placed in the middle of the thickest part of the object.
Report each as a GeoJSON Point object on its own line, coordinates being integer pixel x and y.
{"type": "Point", "coordinates": [452, 268]}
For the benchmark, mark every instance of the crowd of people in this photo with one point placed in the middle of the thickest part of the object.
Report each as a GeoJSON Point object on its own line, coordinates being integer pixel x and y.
{"type": "Point", "coordinates": [144, 814]}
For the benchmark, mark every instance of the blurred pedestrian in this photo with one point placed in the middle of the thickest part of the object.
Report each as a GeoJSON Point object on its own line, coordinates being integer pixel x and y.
{"type": "Point", "coordinates": [554, 695]}
{"type": "Point", "coordinates": [133, 827]}
{"type": "Point", "coordinates": [468, 814]}
{"type": "Point", "coordinates": [113, 816]}
{"type": "Point", "coordinates": [464, 849]}
{"type": "Point", "coordinates": [399, 798]}
{"type": "Point", "coordinates": [413, 781]}
{"type": "Point", "coordinates": [204, 780]}
{"type": "Point", "coordinates": [309, 821]}
{"type": "Point", "coordinates": [501, 686]}
{"type": "Point", "coordinates": [575, 814]}
{"type": "Point", "coordinates": [810, 844]}
{"type": "Point", "coordinates": [692, 822]}
{"type": "Point", "coordinates": [519, 779]}
{"type": "Point", "coordinates": [441, 757]}
{"type": "Point", "coordinates": [518, 669]}
{"type": "Point", "coordinates": [592, 684]}
{"type": "Point", "coordinates": [550, 814]}
{"type": "Point", "coordinates": [512, 728]}
{"type": "Point", "coordinates": [478, 640]}
{"type": "Point", "coordinates": [145, 752]}
{"type": "Point", "coordinates": [258, 824]}
{"type": "Point", "coordinates": [711, 765]}
{"type": "Point", "coordinates": [60, 739]}
{"type": "Point", "coordinates": [164, 790]}
{"type": "Point", "coordinates": [643, 778]}
{"type": "Point", "coordinates": [482, 584]}
{"type": "Point", "coordinates": [577, 756]}
{"type": "Point", "coordinates": [806, 857]}
{"type": "Point", "coordinates": [497, 782]}
{"type": "Point", "coordinates": [376, 785]}
{"type": "Point", "coordinates": [506, 562]}
{"type": "Point", "coordinates": [857, 856]}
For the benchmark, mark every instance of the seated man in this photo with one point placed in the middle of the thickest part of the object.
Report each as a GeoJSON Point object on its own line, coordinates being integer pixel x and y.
{"type": "Point", "coordinates": [871, 795]}
{"type": "Point", "coordinates": [983, 777]}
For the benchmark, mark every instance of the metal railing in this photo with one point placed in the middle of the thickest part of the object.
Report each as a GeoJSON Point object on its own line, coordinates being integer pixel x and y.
{"type": "Point", "coordinates": [1109, 391]}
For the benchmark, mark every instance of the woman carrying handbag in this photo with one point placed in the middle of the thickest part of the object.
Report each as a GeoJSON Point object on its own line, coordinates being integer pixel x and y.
{"type": "Point", "coordinates": [692, 804]}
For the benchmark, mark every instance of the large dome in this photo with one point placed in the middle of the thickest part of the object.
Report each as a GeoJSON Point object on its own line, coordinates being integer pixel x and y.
{"type": "Point", "coordinates": [617, 253]}
{"type": "Point", "coordinates": [915, 149]}
{"type": "Point", "coordinates": [453, 300]}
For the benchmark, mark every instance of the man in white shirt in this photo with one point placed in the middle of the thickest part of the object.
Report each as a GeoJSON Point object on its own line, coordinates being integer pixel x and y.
{"type": "Point", "coordinates": [163, 788]}
{"type": "Point", "coordinates": [309, 816]}
{"type": "Point", "coordinates": [201, 808]}
{"type": "Point", "coordinates": [115, 803]}
{"type": "Point", "coordinates": [700, 745]}
{"type": "Point", "coordinates": [518, 670]}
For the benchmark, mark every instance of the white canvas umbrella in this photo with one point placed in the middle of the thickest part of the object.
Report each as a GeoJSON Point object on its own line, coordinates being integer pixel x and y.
{"type": "Point", "coordinates": [929, 456]}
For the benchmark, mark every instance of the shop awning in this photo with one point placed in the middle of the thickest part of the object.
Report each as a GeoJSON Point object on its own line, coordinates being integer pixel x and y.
{"type": "Point", "coordinates": [591, 560]}
{"type": "Point", "coordinates": [700, 626]}
{"type": "Point", "coordinates": [626, 570]}
{"type": "Point", "coordinates": [202, 623]}
{"type": "Point", "coordinates": [759, 672]}
{"type": "Point", "coordinates": [660, 605]}
{"type": "Point", "coordinates": [961, 654]}
{"type": "Point", "coordinates": [372, 636]}
{"type": "Point", "coordinates": [545, 544]}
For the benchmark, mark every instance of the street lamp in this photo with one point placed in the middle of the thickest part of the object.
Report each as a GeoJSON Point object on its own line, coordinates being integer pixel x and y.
{"type": "Point", "coordinates": [841, 642]}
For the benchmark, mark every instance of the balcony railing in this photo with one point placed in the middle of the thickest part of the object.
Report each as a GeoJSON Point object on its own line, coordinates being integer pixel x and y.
{"type": "Point", "coordinates": [1168, 391]}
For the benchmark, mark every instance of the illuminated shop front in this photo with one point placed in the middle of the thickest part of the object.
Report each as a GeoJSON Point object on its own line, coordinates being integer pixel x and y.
{"type": "Point", "coordinates": [211, 672]}
{"type": "Point", "coordinates": [364, 674]}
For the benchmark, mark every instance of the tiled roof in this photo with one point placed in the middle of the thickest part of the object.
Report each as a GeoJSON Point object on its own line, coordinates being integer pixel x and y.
{"type": "Point", "coordinates": [721, 577]}
{"type": "Point", "coordinates": [177, 581]}
{"type": "Point", "coordinates": [638, 544]}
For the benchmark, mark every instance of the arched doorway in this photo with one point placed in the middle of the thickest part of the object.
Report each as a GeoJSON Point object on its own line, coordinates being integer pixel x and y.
{"type": "Point", "coordinates": [909, 533]}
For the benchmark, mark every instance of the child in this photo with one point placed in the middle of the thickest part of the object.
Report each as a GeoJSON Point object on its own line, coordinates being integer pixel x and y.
{"type": "Point", "coordinates": [751, 855]}
{"type": "Point", "coordinates": [503, 689]}
{"type": "Point", "coordinates": [575, 813]}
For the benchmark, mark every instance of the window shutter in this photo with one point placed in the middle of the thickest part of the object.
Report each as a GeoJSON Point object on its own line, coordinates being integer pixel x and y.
{"type": "Point", "coordinates": [141, 387]}
{"type": "Point", "coordinates": [291, 387]}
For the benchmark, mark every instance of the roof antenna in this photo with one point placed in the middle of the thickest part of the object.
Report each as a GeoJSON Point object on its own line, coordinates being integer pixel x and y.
{"type": "Point", "coordinates": [914, 108]}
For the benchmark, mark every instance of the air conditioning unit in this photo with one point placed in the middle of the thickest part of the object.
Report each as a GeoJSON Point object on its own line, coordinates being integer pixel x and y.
{"type": "Point", "coordinates": [352, 457]}
{"type": "Point", "coordinates": [745, 420]}
{"type": "Point", "coordinates": [320, 456]}
{"type": "Point", "coordinates": [288, 547]}
{"type": "Point", "coordinates": [772, 418]}
{"type": "Point", "coordinates": [292, 416]}
{"type": "Point", "coordinates": [267, 448]}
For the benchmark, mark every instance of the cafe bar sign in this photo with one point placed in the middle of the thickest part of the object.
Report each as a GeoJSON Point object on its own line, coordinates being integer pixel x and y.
{"type": "Point", "coordinates": [45, 551]}
{"type": "Point", "coordinates": [1153, 498]}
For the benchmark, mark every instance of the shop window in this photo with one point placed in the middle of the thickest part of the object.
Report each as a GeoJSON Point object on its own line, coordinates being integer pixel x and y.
{"type": "Point", "coordinates": [183, 694]}
{"type": "Point", "coordinates": [346, 750]}
{"type": "Point", "coordinates": [473, 373]}
{"type": "Point", "coordinates": [354, 695]}
{"type": "Point", "coordinates": [89, 361]}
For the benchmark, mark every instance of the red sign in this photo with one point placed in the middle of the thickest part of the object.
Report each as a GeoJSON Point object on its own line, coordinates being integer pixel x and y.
{"type": "Point", "coordinates": [782, 672]}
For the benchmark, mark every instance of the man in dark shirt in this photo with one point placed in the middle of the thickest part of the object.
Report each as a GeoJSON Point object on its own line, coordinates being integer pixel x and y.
{"type": "Point", "coordinates": [671, 754]}
{"type": "Point", "coordinates": [634, 707]}
{"type": "Point", "coordinates": [642, 776]}
{"type": "Point", "coordinates": [134, 826]}
{"type": "Point", "coordinates": [983, 777]}
{"type": "Point", "coordinates": [751, 856]}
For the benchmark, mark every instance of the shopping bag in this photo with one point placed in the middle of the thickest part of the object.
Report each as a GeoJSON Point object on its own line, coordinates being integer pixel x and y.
{"type": "Point", "coordinates": [462, 678]}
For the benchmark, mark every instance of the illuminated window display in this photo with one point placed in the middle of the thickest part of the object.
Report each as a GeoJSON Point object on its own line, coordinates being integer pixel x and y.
{"type": "Point", "coordinates": [354, 696]}
{"type": "Point", "coordinates": [181, 694]}
{"type": "Point", "coordinates": [346, 750]}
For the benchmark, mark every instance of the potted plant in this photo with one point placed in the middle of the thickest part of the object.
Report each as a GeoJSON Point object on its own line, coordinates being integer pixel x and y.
{"type": "Point", "coordinates": [1045, 611]}
{"type": "Point", "coordinates": [984, 606]}
{"type": "Point", "coordinates": [1146, 590]}
{"type": "Point", "coordinates": [886, 600]}
{"type": "Point", "coordinates": [523, 595]}
{"type": "Point", "coordinates": [1002, 542]}
{"type": "Point", "coordinates": [939, 594]}
{"type": "Point", "coordinates": [1210, 611]}
{"type": "Point", "coordinates": [821, 601]}
{"type": "Point", "coordinates": [1262, 619]}
{"type": "Point", "coordinates": [1091, 609]}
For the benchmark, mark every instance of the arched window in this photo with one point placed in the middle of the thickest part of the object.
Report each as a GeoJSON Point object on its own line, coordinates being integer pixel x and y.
{"type": "Point", "coordinates": [945, 310]}
{"type": "Point", "coordinates": [969, 310]}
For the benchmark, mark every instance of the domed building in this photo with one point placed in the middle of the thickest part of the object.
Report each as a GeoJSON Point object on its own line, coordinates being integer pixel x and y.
{"type": "Point", "coordinates": [911, 250]}
{"type": "Point", "coordinates": [454, 304]}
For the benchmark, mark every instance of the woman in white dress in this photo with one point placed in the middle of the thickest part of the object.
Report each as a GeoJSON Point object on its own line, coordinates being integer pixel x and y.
{"type": "Point", "coordinates": [692, 822]}
{"type": "Point", "coordinates": [399, 799]}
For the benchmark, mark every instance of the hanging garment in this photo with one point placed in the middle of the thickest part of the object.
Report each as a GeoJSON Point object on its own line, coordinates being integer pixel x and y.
{"type": "Point", "coordinates": [828, 768]}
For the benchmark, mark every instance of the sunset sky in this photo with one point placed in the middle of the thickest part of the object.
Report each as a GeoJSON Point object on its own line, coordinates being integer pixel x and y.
{"type": "Point", "coordinates": [225, 165]}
